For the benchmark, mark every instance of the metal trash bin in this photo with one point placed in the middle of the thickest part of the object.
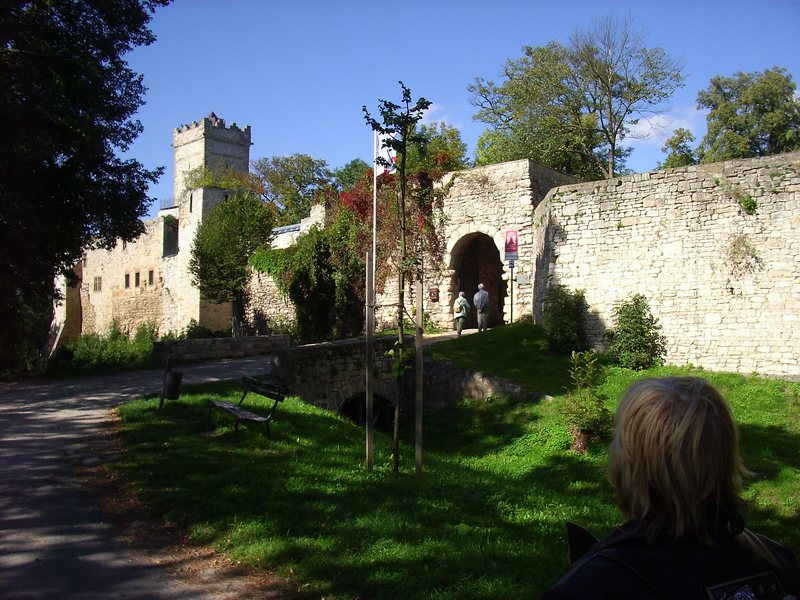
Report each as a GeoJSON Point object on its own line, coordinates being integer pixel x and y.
{"type": "Point", "coordinates": [171, 386]}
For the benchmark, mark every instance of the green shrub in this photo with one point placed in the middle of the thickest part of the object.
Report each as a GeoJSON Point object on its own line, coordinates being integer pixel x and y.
{"type": "Point", "coordinates": [195, 331]}
{"type": "Point", "coordinates": [636, 340]}
{"type": "Point", "coordinates": [113, 350]}
{"type": "Point", "coordinates": [563, 319]}
{"type": "Point", "coordinates": [585, 410]}
{"type": "Point", "coordinates": [584, 370]}
{"type": "Point", "coordinates": [587, 413]}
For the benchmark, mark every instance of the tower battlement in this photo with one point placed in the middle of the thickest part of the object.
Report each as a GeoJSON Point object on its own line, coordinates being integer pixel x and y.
{"type": "Point", "coordinates": [209, 142]}
{"type": "Point", "coordinates": [211, 124]}
{"type": "Point", "coordinates": [212, 120]}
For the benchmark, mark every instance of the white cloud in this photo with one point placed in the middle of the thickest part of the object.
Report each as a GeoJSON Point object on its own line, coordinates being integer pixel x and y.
{"type": "Point", "coordinates": [436, 113]}
{"type": "Point", "coordinates": [655, 130]}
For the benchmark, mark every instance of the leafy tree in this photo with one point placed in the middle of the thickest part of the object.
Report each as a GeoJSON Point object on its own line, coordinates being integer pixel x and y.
{"type": "Point", "coordinates": [679, 152]}
{"type": "Point", "coordinates": [349, 175]}
{"type": "Point", "coordinates": [224, 242]}
{"type": "Point", "coordinates": [750, 114]}
{"type": "Point", "coordinates": [437, 148]}
{"type": "Point", "coordinates": [222, 176]}
{"type": "Point", "coordinates": [570, 107]}
{"type": "Point", "coordinates": [533, 114]}
{"type": "Point", "coordinates": [322, 274]}
{"type": "Point", "coordinates": [67, 102]}
{"type": "Point", "coordinates": [291, 184]}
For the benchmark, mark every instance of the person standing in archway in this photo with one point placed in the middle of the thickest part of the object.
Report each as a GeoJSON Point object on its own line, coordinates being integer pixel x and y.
{"type": "Point", "coordinates": [460, 311]}
{"type": "Point", "coordinates": [481, 302]}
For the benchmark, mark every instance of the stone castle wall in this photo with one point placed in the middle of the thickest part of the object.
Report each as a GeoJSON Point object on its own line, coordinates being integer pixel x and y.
{"type": "Point", "coordinates": [724, 284]}
{"type": "Point", "coordinates": [484, 201]}
{"type": "Point", "coordinates": [165, 294]}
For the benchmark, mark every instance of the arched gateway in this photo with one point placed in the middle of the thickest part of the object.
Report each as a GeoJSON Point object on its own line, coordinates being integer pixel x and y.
{"type": "Point", "coordinates": [475, 259]}
{"type": "Point", "coordinates": [480, 207]}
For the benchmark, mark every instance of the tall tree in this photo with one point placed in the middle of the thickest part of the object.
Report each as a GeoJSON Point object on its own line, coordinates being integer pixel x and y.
{"type": "Point", "coordinates": [566, 105]}
{"type": "Point", "coordinates": [67, 100]}
{"type": "Point", "coordinates": [534, 113]}
{"type": "Point", "coordinates": [225, 241]}
{"type": "Point", "coordinates": [678, 150]}
{"type": "Point", "coordinates": [750, 114]}
{"type": "Point", "coordinates": [291, 183]}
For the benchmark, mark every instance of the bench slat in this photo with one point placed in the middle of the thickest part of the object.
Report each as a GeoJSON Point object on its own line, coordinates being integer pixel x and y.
{"type": "Point", "coordinates": [241, 413]}
{"type": "Point", "coordinates": [257, 386]}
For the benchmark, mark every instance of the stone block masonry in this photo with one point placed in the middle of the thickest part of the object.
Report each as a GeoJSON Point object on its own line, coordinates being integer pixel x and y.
{"type": "Point", "coordinates": [714, 248]}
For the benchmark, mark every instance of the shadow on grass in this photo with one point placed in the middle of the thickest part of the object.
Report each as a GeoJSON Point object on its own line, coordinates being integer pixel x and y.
{"type": "Point", "coordinates": [485, 519]}
{"type": "Point", "coordinates": [472, 525]}
{"type": "Point", "coordinates": [772, 453]}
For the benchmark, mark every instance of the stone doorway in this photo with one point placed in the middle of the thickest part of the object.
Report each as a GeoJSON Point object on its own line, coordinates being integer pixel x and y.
{"type": "Point", "coordinates": [475, 259]}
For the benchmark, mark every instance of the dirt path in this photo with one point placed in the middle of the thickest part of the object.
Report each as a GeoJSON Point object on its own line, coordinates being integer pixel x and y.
{"type": "Point", "coordinates": [68, 529]}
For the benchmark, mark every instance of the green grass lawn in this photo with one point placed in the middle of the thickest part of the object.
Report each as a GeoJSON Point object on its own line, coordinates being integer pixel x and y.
{"type": "Point", "coordinates": [486, 517]}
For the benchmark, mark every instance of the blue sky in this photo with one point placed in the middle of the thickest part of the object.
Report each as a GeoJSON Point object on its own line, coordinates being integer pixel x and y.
{"type": "Point", "coordinates": [299, 71]}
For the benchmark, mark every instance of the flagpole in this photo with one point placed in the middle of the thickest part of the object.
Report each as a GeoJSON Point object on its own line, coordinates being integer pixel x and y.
{"type": "Point", "coordinates": [370, 302]}
{"type": "Point", "coordinates": [375, 151]}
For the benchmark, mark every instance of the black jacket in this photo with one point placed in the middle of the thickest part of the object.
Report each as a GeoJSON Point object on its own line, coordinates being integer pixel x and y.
{"type": "Point", "coordinates": [624, 565]}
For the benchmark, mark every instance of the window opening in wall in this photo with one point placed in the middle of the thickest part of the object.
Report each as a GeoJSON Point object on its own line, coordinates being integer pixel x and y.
{"type": "Point", "coordinates": [136, 280]}
{"type": "Point", "coordinates": [191, 198]}
{"type": "Point", "coordinates": [98, 284]}
{"type": "Point", "coordinates": [150, 278]}
{"type": "Point", "coordinates": [170, 236]}
{"type": "Point", "coordinates": [127, 280]}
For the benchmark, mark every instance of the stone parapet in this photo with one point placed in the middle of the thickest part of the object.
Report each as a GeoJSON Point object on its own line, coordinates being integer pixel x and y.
{"type": "Point", "coordinates": [178, 351]}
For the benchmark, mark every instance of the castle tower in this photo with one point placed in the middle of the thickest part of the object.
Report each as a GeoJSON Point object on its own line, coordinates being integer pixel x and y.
{"type": "Point", "coordinates": [208, 143]}
{"type": "Point", "coordinates": [211, 144]}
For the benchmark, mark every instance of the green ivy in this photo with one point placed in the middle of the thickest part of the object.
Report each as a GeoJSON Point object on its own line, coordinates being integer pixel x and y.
{"type": "Point", "coordinates": [322, 275]}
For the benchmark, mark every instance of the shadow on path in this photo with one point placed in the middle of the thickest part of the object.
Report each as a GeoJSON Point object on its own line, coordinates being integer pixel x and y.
{"type": "Point", "coordinates": [54, 543]}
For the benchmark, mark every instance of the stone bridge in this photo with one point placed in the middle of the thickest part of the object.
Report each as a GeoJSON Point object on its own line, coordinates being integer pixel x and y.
{"type": "Point", "coordinates": [332, 375]}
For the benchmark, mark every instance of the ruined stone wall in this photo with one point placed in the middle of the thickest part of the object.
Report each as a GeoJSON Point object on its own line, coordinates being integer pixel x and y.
{"type": "Point", "coordinates": [333, 373]}
{"type": "Point", "coordinates": [724, 284]}
{"type": "Point", "coordinates": [329, 374]}
{"type": "Point", "coordinates": [268, 308]}
{"type": "Point", "coordinates": [179, 351]}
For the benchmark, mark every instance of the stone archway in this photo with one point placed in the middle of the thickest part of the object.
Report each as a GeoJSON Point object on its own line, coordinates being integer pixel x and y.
{"type": "Point", "coordinates": [475, 259]}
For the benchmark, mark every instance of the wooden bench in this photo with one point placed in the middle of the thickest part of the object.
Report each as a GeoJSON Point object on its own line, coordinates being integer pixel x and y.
{"type": "Point", "coordinates": [257, 386]}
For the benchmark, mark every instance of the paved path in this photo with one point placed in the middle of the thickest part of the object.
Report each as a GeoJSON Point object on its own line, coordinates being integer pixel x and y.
{"type": "Point", "coordinates": [53, 542]}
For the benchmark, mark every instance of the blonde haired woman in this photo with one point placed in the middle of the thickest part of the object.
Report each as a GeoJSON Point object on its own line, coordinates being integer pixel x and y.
{"type": "Point", "coordinates": [674, 463]}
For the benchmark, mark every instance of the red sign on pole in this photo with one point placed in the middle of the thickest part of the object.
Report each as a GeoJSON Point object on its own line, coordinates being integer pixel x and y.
{"type": "Point", "coordinates": [512, 249]}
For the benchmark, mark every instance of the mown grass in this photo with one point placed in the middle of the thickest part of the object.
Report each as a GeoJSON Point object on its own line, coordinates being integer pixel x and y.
{"type": "Point", "coordinates": [486, 517]}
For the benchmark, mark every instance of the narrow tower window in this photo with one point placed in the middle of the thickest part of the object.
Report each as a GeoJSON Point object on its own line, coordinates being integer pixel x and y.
{"type": "Point", "coordinates": [170, 236]}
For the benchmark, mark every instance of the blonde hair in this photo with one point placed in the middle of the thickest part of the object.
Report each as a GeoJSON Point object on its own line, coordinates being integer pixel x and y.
{"type": "Point", "coordinates": [674, 460]}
